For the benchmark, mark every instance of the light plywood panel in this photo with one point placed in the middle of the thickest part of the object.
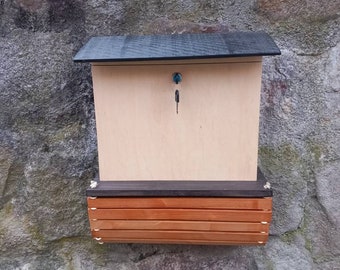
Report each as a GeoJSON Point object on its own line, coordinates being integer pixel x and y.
{"type": "Point", "coordinates": [193, 203]}
{"type": "Point", "coordinates": [213, 137]}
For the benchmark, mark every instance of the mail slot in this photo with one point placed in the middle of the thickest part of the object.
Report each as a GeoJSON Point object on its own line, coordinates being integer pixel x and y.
{"type": "Point", "coordinates": [177, 120]}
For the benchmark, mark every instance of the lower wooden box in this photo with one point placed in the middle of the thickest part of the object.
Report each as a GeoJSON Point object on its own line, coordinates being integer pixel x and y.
{"type": "Point", "coordinates": [180, 220]}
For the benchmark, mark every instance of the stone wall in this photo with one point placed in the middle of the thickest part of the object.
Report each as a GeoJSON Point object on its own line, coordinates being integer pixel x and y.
{"type": "Point", "coordinates": [48, 152]}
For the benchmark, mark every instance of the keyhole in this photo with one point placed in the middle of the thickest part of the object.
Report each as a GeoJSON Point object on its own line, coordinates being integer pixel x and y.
{"type": "Point", "coordinates": [177, 77]}
{"type": "Point", "coordinates": [177, 100]}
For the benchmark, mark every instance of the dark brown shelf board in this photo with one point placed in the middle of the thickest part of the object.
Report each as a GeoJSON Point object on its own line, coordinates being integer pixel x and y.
{"type": "Point", "coordinates": [254, 189]}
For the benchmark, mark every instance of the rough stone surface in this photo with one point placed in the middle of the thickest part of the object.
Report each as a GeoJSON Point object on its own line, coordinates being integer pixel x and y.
{"type": "Point", "coordinates": [327, 190]}
{"type": "Point", "coordinates": [278, 254]}
{"type": "Point", "coordinates": [48, 151]}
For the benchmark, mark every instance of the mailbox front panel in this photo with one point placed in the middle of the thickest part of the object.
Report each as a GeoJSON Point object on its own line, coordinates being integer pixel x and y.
{"type": "Point", "coordinates": [214, 135]}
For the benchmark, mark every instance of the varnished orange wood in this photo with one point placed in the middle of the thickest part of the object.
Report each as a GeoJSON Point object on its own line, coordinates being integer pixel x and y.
{"type": "Point", "coordinates": [181, 214]}
{"type": "Point", "coordinates": [194, 203]}
{"type": "Point", "coordinates": [177, 241]}
{"type": "Point", "coordinates": [215, 221]}
{"type": "Point", "coordinates": [181, 235]}
{"type": "Point", "coordinates": [178, 225]}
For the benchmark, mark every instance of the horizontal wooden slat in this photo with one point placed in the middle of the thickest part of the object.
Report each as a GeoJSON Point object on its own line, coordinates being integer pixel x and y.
{"type": "Point", "coordinates": [181, 214]}
{"type": "Point", "coordinates": [178, 225]}
{"type": "Point", "coordinates": [180, 235]}
{"type": "Point", "coordinates": [176, 241]}
{"type": "Point", "coordinates": [200, 221]}
{"type": "Point", "coordinates": [207, 203]}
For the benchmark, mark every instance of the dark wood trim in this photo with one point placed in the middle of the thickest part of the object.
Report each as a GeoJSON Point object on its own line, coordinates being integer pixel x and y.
{"type": "Point", "coordinates": [244, 189]}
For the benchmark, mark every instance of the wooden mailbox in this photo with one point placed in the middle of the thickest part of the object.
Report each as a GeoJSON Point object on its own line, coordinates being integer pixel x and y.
{"type": "Point", "coordinates": [177, 123]}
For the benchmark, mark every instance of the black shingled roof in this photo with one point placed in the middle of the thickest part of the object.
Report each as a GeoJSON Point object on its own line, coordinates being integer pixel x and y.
{"type": "Point", "coordinates": [185, 46]}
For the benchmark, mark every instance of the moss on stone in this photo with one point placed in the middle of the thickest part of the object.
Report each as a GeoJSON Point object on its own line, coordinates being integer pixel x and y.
{"type": "Point", "coordinates": [286, 160]}
{"type": "Point", "coordinates": [308, 245]}
{"type": "Point", "coordinates": [3, 229]}
{"type": "Point", "coordinates": [279, 159]}
{"type": "Point", "coordinates": [303, 230]}
{"type": "Point", "coordinates": [269, 265]}
{"type": "Point", "coordinates": [60, 135]}
{"type": "Point", "coordinates": [35, 233]}
{"type": "Point", "coordinates": [288, 237]}
{"type": "Point", "coordinates": [316, 150]}
{"type": "Point", "coordinates": [7, 210]}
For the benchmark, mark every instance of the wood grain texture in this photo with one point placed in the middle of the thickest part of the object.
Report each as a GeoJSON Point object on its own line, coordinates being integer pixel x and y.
{"type": "Point", "coordinates": [181, 235]}
{"type": "Point", "coordinates": [181, 214]}
{"type": "Point", "coordinates": [213, 137]}
{"type": "Point", "coordinates": [192, 203]}
{"type": "Point", "coordinates": [183, 242]}
{"type": "Point", "coordinates": [215, 221]}
{"type": "Point", "coordinates": [178, 225]}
